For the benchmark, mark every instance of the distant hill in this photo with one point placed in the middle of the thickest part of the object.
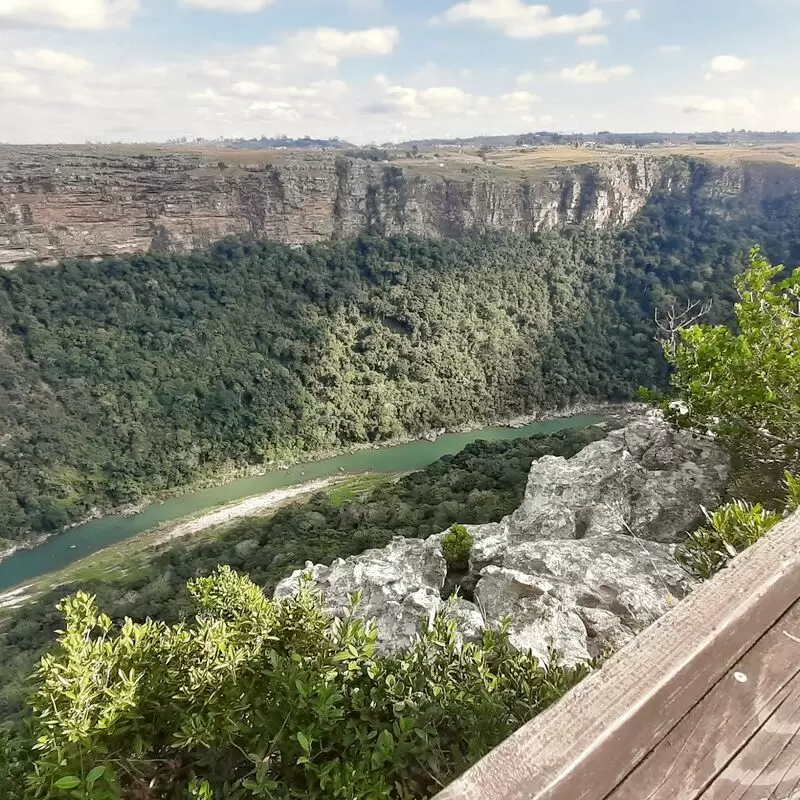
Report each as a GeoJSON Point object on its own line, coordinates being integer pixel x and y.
{"type": "Point", "coordinates": [541, 138]}
{"type": "Point", "coordinates": [269, 142]}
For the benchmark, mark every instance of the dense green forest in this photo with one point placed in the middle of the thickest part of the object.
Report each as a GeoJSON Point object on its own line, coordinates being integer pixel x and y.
{"type": "Point", "coordinates": [136, 375]}
{"type": "Point", "coordinates": [131, 376]}
{"type": "Point", "coordinates": [245, 697]}
{"type": "Point", "coordinates": [482, 483]}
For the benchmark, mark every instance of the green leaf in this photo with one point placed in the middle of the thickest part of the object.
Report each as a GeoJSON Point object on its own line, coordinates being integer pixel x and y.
{"type": "Point", "coordinates": [68, 782]}
{"type": "Point", "coordinates": [95, 774]}
{"type": "Point", "coordinates": [304, 742]}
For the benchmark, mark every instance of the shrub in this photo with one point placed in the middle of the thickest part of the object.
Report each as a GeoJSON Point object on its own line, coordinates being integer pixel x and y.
{"type": "Point", "coordinates": [456, 548]}
{"type": "Point", "coordinates": [741, 382]}
{"type": "Point", "coordinates": [731, 529]}
{"type": "Point", "coordinates": [257, 698]}
{"type": "Point", "coordinates": [14, 758]}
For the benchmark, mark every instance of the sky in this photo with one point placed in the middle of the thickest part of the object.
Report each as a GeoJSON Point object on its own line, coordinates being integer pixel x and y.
{"type": "Point", "coordinates": [389, 70]}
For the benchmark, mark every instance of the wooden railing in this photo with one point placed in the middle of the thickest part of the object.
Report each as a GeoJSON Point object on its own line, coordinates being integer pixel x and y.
{"type": "Point", "coordinates": [586, 744]}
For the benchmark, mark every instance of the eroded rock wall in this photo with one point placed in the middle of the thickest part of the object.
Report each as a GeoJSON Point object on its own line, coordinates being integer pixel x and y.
{"type": "Point", "coordinates": [58, 203]}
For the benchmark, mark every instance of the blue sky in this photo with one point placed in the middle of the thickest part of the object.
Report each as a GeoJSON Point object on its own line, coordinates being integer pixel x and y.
{"type": "Point", "coordinates": [383, 70]}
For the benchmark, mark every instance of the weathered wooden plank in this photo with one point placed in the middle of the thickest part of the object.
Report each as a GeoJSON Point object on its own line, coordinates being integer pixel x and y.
{"type": "Point", "coordinates": [691, 755]}
{"type": "Point", "coordinates": [769, 764]}
{"type": "Point", "coordinates": [582, 747]}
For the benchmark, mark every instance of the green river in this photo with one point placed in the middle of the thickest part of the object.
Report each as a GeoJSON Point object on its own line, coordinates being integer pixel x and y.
{"type": "Point", "coordinates": [62, 550]}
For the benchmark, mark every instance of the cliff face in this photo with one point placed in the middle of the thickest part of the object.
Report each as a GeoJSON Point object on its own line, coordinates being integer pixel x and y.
{"type": "Point", "coordinates": [57, 203]}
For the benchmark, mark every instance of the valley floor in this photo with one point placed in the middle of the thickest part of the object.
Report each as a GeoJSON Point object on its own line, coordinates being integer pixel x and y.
{"type": "Point", "coordinates": [131, 554]}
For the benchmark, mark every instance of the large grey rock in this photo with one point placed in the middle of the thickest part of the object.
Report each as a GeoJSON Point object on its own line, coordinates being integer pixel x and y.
{"type": "Point", "coordinates": [584, 597]}
{"type": "Point", "coordinates": [583, 564]}
{"type": "Point", "coordinates": [400, 585]}
{"type": "Point", "coordinates": [647, 480]}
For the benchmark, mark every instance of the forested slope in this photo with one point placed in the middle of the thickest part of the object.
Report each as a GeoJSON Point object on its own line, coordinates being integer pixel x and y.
{"type": "Point", "coordinates": [134, 375]}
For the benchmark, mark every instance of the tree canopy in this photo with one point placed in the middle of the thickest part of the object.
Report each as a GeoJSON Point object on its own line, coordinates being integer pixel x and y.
{"type": "Point", "coordinates": [743, 382]}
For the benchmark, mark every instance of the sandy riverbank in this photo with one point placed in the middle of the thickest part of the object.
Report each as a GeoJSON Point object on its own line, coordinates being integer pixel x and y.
{"type": "Point", "coordinates": [250, 506]}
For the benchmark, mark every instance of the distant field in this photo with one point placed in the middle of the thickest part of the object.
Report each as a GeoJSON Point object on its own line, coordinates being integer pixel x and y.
{"type": "Point", "coordinates": [520, 164]}
{"type": "Point", "coordinates": [515, 164]}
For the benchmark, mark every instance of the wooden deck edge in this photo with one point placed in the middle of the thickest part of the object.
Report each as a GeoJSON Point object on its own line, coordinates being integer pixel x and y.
{"type": "Point", "coordinates": [584, 745]}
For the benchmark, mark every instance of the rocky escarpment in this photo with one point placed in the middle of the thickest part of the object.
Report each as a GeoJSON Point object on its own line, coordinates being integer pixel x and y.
{"type": "Point", "coordinates": [63, 202]}
{"type": "Point", "coordinates": [584, 563]}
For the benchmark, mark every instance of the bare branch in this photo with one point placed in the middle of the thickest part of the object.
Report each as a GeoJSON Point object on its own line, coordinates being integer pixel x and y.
{"type": "Point", "coordinates": [765, 434]}
{"type": "Point", "coordinates": [677, 321]}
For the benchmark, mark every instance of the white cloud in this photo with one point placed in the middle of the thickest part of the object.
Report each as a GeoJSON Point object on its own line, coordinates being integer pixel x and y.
{"type": "Point", "coordinates": [633, 15]}
{"type": "Point", "coordinates": [327, 46]}
{"type": "Point", "coordinates": [525, 78]}
{"type": "Point", "coordinates": [14, 85]}
{"type": "Point", "coordinates": [728, 63]}
{"type": "Point", "coordinates": [518, 102]}
{"type": "Point", "coordinates": [446, 99]}
{"type": "Point", "coordinates": [231, 6]}
{"type": "Point", "coordinates": [670, 49]}
{"type": "Point", "coordinates": [68, 14]}
{"type": "Point", "coordinates": [83, 100]}
{"type": "Point", "coordinates": [211, 69]}
{"type": "Point", "coordinates": [591, 39]}
{"type": "Point", "coordinates": [365, 5]}
{"type": "Point", "coordinates": [246, 88]}
{"type": "Point", "coordinates": [702, 104]}
{"type": "Point", "coordinates": [205, 98]}
{"type": "Point", "coordinates": [518, 20]}
{"type": "Point", "coordinates": [436, 104]}
{"type": "Point", "coordinates": [795, 103]}
{"type": "Point", "coordinates": [589, 72]}
{"type": "Point", "coordinates": [275, 109]}
{"type": "Point", "coordinates": [51, 61]}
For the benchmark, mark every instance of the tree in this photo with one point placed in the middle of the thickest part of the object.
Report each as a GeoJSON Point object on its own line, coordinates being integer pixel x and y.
{"type": "Point", "coordinates": [744, 383]}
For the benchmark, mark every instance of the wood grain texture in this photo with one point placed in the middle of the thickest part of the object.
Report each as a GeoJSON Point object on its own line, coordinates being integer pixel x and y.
{"type": "Point", "coordinates": [582, 747]}
{"type": "Point", "coordinates": [692, 754]}
{"type": "Point", "coordinates": [768, 767]}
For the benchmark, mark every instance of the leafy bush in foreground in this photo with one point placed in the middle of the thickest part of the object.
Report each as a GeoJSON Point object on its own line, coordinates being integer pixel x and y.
{"type": "Point", "coordinates": [257, 698]}
{"type": "Point", "coordinates": [731, 529]}
{"type": "Point", "coordinates": [742, 383]}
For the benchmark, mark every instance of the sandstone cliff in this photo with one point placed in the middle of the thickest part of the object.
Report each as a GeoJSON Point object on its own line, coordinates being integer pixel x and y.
{"type": "Point", "coordinates": [59, 202]}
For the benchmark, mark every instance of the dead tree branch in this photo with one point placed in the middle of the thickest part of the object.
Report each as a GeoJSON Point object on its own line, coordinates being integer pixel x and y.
{"type": "Point", "coordinates": [677, 319]}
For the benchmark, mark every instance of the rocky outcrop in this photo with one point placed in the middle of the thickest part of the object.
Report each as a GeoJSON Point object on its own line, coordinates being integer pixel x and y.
{"type": "Point", "coordinates": [399, 584]}
{"type": "Point", "coordinates": [59, 202]}
{"type": "Point", "coordinates": [582, 565]}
